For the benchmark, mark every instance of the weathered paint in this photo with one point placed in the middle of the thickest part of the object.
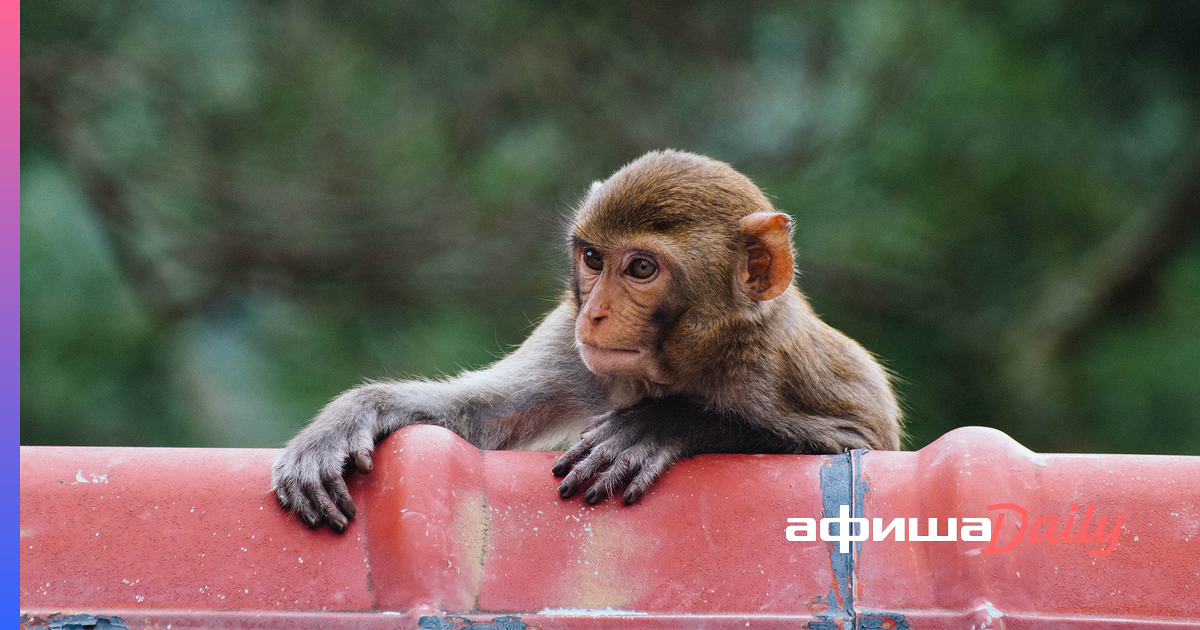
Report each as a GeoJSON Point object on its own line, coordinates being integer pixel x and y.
{"type": "Point", "coordinates": [1153, 575]}
{"type": "Point", "coordinates": [434, 622]}
{"type": "Point", "coordinates": [842, 484]}
{"type": "Point", "coordinates": [837, 489]}
{"type": "Point", "coordinates": [76, 622]}
{"type": "Point", "coordinates": [175, 529]}
{"type": "Point", "coordinates": [682, 548]}
{"type": "Point", "coordinates": [426, 521]}
{"type": "Point", "coordinates": [451, 537]}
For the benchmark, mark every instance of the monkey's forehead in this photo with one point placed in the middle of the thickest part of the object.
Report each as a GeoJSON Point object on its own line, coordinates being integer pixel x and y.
{"type": "Point", "coordinates": [622, 217]}
{"type": "Point", "coordinates": [672, 233]}
{"type": "Point", "coordinates": [669, 193]}
{"type": "Point", "coordinates": [624, 221]}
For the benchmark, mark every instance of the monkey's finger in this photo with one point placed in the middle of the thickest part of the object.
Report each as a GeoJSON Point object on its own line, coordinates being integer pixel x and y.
{"type": "Point", "coordinates": [573, 455]}
{"type": "Point", "coordinates": [285, 501]}
{"type": "Point", "coordinates": [335, 485]}
{"type": "Point", "coordinates": [288, 493]}
{"type": "Point", "coordinates": [307, 513]}
{"type": "Point", "coordinates": [362, 461]}
{"type": "Point", "coordinates": [322, 507]}
{"type": "Point", "coordinates": [616, 477]}
{"type": "Point", "coordinates": [651, 470]}
{"type": "Point", "coordinates": [599, 459]}
{"type": "Point", "coordinates": [569, 485]}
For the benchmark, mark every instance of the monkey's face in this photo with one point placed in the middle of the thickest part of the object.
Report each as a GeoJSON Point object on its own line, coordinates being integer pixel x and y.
{"type": "Point", "coordinates": [663, 252]}
{"type": "Point", "coordinates": [622, 293]}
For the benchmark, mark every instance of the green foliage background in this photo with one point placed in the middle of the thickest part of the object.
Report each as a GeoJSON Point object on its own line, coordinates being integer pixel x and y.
{"type": "Point", "coordinates": [234, 210]}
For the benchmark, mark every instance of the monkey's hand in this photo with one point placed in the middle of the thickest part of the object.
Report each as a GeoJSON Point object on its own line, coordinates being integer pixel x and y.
{"type": "Point", "coordinates": [308, 476]}
{"type": "Point", "coordinates": [628, 448]}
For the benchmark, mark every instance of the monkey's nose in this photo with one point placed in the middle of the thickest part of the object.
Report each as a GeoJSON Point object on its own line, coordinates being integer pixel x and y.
{"type": "Point", "coordinates": [596, 312]}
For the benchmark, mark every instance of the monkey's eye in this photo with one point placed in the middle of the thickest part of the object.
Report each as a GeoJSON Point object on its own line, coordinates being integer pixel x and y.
{"type": "Point", "coordinates": [592, 259]}
{"type": "Point", "coordinates": [641, 268]}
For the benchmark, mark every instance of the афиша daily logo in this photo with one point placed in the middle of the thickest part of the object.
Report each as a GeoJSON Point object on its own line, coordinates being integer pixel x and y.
{"type": "Point", "coordinates": [1044, 529]}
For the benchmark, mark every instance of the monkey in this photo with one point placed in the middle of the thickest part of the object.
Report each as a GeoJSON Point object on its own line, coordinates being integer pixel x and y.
{"type": "Point", "coordinates": [681, 332]}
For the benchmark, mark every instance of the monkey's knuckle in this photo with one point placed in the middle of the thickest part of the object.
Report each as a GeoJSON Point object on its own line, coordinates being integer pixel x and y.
{"type": "Point", "coordinates": [575, 479]}
{"type": "Point", "coordinates": [612, 480]}
{"type": "Point", "coordinates": [595, 465]}
{"type": "Point", "coordinates": [601, 456]}
{"type": "Point", "coordinates": [591, 439]}
{"type": "Point", "coordinates": [599, 432]}
{"type": "Point", "coordinates": [626, 464]}
{"type": "Point", "coordinates": [329, 476]}
{"type": "Point", "coordinates": [583, 470]}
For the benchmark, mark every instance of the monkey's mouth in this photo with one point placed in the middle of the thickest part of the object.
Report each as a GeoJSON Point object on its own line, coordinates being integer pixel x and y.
{"type": "Point", "coordinates": [595, 348]}
{"type": "Point", "coordinates": [610, 360]}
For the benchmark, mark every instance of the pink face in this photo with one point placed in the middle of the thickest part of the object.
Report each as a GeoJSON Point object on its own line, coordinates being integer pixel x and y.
{"type": "Point", "coordinates": [619, 291]}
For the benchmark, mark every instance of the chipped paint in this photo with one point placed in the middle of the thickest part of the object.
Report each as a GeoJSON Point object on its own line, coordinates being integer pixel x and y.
{"type": "Point", "coordinates": [867, 620]}
{"type": "Point", "coordinates": [91, 478]}
{"type": "Point", "coordinates": [434, 622]}
{"type": "Point", "coordinates": [607, 544]}
{"type": "Point", "coordinates": [73, 622]}
{"type": "Point", "coordinates": [836, 491]}
{"type": "Point", "coordinates": [471, 522]}
{"type": "Point", "coordinates": [843, 482]}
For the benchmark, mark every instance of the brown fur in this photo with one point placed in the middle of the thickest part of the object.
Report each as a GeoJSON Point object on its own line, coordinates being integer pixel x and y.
{"type": "Point", "coordinates": [715, 352]}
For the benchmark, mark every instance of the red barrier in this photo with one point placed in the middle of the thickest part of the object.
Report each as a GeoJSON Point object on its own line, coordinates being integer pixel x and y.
{"type": "Point", "coordinates": [450, 537]}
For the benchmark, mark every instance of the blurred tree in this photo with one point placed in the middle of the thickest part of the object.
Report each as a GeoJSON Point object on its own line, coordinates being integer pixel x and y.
{"type": "Point", "coordinates": [232, 211]}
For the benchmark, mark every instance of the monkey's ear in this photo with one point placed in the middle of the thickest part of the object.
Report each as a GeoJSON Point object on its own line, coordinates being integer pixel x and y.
{"type": "Point", "coordinates": [766, 267]}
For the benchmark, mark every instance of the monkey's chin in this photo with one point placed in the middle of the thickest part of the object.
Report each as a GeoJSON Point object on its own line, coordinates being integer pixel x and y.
{"type": "Point", "coordinates": [613, 361]}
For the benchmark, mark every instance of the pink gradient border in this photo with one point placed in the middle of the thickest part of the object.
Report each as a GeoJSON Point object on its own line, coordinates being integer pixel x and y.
{"type": "Point", "coordinates": [10, 306]}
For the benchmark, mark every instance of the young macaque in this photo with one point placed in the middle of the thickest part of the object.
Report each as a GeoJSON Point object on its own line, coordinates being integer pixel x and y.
{"type": "Point", "coordinates": [681, 333]}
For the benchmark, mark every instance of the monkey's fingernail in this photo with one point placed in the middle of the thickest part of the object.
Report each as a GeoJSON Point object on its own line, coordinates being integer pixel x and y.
{"type": "Point", "coordinates": [338, 525]}
{"type": "Point", "coordinates": [592, 497]}
{"type": "Point", "coordinates": [310, 520]}
{"type": "Point", "coordinates": [282, 498]}
{"type": "Point", "coordinates": [632, 495]}
{"type": "Point", "coordinates": [564, 489]}
{"type": "Point", "coordinates": [362, 461]}
{"type": "Point", "coordinates": [559, 470]}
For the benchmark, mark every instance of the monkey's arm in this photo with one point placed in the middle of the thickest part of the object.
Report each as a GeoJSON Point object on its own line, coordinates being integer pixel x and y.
{"type": "Point", "coordinates": [532, 393]}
